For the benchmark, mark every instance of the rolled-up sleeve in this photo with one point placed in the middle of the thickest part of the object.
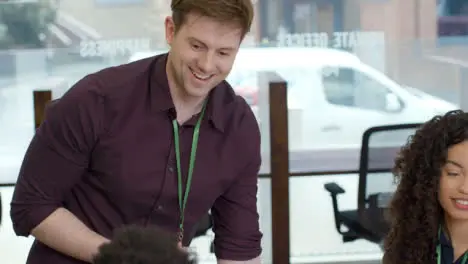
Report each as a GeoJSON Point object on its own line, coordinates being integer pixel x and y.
{"type": "Point", "coordinates": [57, 156]}
{"type": "Point", "coordinates": [235, 214]}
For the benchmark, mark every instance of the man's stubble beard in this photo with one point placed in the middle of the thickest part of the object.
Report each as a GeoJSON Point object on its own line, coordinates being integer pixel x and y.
{"type": "Point", "coordinates": [179, 82]}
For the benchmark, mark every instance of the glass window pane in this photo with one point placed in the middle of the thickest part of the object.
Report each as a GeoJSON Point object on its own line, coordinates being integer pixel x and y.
{"type": "Point", "coordinates": [349, 66]}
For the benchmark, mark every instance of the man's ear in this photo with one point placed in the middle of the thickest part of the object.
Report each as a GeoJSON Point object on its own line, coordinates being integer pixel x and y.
{"type": "Point", "coordinates": [170, 29]}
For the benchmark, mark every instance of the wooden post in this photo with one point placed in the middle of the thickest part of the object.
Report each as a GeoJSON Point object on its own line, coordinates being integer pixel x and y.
{"type": "Point", "coordinates": [279, 151]}
{"type": "Point", "coordinates": [41, 98]}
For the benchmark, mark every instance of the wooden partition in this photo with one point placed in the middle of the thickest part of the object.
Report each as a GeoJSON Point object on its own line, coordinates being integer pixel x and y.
{"type": "Point", "coordinates": [279, 151]}
{"type": "Point", "coordinates": [41, 99]}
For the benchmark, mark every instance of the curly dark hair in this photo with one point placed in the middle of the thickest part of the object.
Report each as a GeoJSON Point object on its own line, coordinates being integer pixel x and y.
{"type": "Point", "coordinates": [142, 245]}
{"type": "Point", "coordinates": [415, 210]}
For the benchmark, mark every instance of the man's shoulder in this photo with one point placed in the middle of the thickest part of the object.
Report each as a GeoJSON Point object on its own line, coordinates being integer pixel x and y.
{"type": "Point", "coordinates": [237, 113]}
{"type": "Point", "coordinates": [111, 86]}
{"type": "Point", "coordinates": [118, 80]}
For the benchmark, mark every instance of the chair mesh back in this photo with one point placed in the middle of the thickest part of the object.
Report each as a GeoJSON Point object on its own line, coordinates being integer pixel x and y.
{"type": "Point", "coordinates": [380, 148]}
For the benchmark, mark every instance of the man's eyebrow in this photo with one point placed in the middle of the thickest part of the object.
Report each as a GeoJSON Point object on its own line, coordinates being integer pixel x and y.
{"type": "Point", "coordinates": [228, 48]}
{"type": "Point", "coordinates": [196, 40]}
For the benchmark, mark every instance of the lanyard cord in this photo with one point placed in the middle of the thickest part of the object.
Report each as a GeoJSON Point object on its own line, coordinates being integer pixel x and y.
{"type": "Point", "coordinates": [183, 200]}
{"type": "Point", "coordinates": [439, 251]}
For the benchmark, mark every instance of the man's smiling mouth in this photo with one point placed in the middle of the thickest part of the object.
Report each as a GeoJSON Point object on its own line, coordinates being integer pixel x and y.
{"type": "Point", "coordinates": [199, 76]}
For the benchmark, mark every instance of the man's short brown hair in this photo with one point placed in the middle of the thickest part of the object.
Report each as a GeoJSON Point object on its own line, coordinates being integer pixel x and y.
{"type": "Point", "coordinates": [225, 11]}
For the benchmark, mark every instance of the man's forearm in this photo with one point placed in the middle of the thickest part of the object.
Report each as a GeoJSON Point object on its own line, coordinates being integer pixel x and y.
{"type": "Point", "coordinates": [256, 260]}
{"type": "Point", "coordinates": [65, 233]}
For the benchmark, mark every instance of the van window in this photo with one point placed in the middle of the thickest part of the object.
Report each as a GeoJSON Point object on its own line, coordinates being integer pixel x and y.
{"type": "Point", "coordinates": [349, 87]}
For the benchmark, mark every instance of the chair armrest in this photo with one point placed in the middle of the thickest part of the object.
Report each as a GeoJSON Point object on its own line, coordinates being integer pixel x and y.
{"type": "Point", "coordinates": [333, 188]}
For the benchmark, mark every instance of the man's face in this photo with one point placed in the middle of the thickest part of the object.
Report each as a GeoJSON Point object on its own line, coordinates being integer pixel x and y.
{"type": "Point", "coordinates": [202, 53]}
{"type": "Point", "coordinates": [453, 193]}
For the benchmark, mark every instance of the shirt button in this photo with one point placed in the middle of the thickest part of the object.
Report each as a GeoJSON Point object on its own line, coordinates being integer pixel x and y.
{"type": "Point", "coordinates": [171, 169]}
{"type": "Point", "coordinates": [160, 208]}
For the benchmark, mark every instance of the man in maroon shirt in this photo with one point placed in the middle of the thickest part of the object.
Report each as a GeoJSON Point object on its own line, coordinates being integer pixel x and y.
{"type": "Point", "coordinates": [157, 142]}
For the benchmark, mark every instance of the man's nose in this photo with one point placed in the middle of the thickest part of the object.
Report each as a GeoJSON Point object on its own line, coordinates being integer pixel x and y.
{"type": "Point", "coordinates": [206, 62]}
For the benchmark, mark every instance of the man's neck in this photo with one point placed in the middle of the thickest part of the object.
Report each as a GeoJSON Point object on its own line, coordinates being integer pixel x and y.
{"type": "Point", "coordinates": [458, 233]}
{"type": "Point", "coordinates": [185, 103]}
{"type": "Point", "coordinates": [186, 106]}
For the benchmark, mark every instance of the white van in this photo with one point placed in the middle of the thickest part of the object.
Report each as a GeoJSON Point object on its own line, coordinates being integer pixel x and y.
{"type": "Point", "coordinates": [333, 96]}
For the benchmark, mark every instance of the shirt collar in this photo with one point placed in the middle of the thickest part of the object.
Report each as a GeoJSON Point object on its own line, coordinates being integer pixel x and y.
{"type": "Point", "coordinates": [161, 99]}
{"type": "Point", "coordinates": [444, 240]}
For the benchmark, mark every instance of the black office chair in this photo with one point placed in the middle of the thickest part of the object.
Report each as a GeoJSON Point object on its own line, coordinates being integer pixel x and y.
{"type": "Point", "coordinates": [376, 184]}
{"type": "Point", "coordinates": [202, 227]}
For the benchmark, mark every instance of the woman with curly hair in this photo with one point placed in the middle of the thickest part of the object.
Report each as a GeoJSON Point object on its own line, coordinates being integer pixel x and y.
{"type": "Point", "coordinates": [430, 207]}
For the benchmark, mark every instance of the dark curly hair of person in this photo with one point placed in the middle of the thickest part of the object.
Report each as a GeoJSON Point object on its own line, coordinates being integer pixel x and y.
{"type": "Point", "coordinates": [142, 245]}
{"type": "Point", "coordinates": [415, 211]}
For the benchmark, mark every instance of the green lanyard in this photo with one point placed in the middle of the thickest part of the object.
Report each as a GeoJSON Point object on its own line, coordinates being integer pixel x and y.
{"type": "Point", "coordinates": [439, 252]}
{"type": "Point", "coordinates": [193, 152]}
